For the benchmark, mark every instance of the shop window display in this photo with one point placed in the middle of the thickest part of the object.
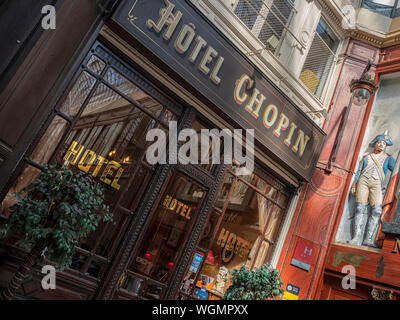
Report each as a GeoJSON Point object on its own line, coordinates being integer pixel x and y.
{"type": "Point", "coordinates": [170, 225]}
{"type": "Point", "coordinates": [242, 229]}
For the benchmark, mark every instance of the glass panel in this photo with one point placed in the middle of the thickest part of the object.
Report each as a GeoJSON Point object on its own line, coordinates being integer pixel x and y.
{"type": "Point", "coordinates": [247, 11]}
{"type": "Point", "coordinates": [240, 228]}
{"type": "Point", "coordinates": [96, 65]}
{"type": "Point", "coordinates": [250, 219]}
{"type": "Point", "coordinates": [112, 233]}
{"type": "Point", "coordinates": [320, 59]}
{"type": "Point", "coordinates": [224, 191]}
{"type": "Point", "coordinates": [132, 284]}
{"type": "Point", "coordinates": [27, 176]}
{"type": "Point", "coordinates": [153, 291]}
{"type": "Point", "coordinates": [276, 20]}
{"type": "Point", "coordinates": [78, 94]}
{"type": "Point", "coordinates": [209, 230]}
{"type": "Point", "coordinates": [208, 160]}
{"type": "Point", "coordinates": [170, 224]}
{"type": "Point", "coordinates": [114, 78]}
{"type": "Point", "coordinates": [136, 187]}
{"type": "Point", "coordinates": [49, 141]}
{"type": "Point", "coordinates": [109, 138]}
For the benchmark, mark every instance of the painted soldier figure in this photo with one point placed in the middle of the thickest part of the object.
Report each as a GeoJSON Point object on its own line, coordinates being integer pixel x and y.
{"type": "Point", "coordinates": [367, 188]}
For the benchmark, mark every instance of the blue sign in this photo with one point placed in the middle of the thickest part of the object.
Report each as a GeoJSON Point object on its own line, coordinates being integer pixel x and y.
{"type": "Point", "coordinates": [196, 262]}
{"type": "Point", "coordinates": [293, 289]}
{"type": "Point", "coordinates": [200, 293]}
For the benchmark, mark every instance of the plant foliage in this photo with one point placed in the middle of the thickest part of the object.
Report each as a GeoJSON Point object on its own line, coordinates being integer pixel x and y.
{"type": "Point", "coordinates": [261, 284]}
{"type": "Point", "coordinates": [59, 208]}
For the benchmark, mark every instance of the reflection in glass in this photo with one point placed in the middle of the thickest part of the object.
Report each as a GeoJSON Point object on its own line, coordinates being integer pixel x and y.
{"type": "Point", "coordinates": [246, 231]}
{"type": "Point", "coordinates": [96, 65]}
{"type": "Point", "coordinates": [128, 88]}
{"type": "Point", "coordinates": [49, 140]}
{"type": "Point", "coordinates": [27, 176]}
{"type": "Point", "coordinates": [168, 228]}
{"type": "Point", "coordinates": [78, 94]}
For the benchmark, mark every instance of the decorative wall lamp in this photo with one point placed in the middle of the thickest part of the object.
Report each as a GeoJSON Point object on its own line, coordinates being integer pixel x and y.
{"type": "Point", "coordinates": [361, 90]}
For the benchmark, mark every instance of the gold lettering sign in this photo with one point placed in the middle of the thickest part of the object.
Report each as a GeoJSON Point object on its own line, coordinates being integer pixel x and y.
{"type": "Point", "coordinates": [86, 160]}
{"type": "Point", "coordinates": [177, 206]}
{"type": "Point", "coordinates": [282, 126]}
{"type": "Point", "coordinates": [210, 61]}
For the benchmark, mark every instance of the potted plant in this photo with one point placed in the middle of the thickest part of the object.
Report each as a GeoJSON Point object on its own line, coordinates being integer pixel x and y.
{"type": "Point", "coordinates": [261, 284]}
{"type": "Point", "coordinates": [52, 214]}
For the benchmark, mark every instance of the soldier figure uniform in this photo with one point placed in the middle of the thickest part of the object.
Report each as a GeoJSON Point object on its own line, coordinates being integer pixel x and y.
{"type": "Point", "coordinates": [367, 188]}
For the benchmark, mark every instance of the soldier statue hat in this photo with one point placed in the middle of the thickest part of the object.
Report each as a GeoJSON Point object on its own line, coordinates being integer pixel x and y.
{"type": "Point", "coordinates": [382, 137]}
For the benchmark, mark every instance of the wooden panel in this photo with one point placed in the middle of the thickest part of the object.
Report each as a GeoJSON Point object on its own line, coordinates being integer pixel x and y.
{"type": "Point", "coordinates": [332, 290]}
{"type": "Point", "coordinates": [33, 91]}
{"type": "Point", "coordinates": [297, 276]}
{"type": "Point", "coordinates": [381, 266]}
{"type": "Point", "coordinates": [20, 27]}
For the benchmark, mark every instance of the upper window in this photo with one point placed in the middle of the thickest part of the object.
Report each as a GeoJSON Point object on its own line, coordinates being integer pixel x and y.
{"type": "Point", "coordinates": [267, 19]}
{"type": "Point", "coordinates": [320, 59]}
{"type": "Point", "coordinates": [389, 8]}
{"type": "Point", "coordinates": [270, 20]}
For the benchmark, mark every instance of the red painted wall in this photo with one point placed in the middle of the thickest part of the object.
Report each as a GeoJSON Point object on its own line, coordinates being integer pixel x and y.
{"type": "Point", "coordinates": [322, 200]}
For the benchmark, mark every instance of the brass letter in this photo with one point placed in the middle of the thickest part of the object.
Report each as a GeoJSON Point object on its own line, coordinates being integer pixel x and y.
{"type": "Point", "coordinates": [282, 124]}
{"type": "Point", "coordinates": [257, 98]}
{"type": "Point", "coordinates": [214, 74]}
{"type": "Point", "coordinates": [165, 19]}
{"type": "Point", "coordinates": [184, 39]}
{"type": "Point", "coordinates": [301, 141]}
{"type": "Point", "coordinates": [92, 157]}
{"type": "Point", "coordinates": [270, 108]}
{"type": "Point", "coordinates": [238, 87]}
{"type": "Point", "coordinates": [72, 151]}
{"type": "Point", "coordinates": [207, 58]}
{"type": "Point", "coordinates": [200, 43]}
{"type": "Point", "coordinates": [288, 139]}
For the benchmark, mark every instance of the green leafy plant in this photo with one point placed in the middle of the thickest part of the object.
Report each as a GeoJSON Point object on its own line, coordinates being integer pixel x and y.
{"type": "Point", "coordinates": [261, 284]}
{"type": "Point", "coordinates": [52, 215]}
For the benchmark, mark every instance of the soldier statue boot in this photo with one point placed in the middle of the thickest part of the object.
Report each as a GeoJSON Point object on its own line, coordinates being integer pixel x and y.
{"type": "Point", "coordinates": [360, 220]}
{"type": "Point", "coordinates": [372, 226]}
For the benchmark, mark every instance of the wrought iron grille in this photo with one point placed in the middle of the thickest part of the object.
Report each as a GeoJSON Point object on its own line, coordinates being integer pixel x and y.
{"type": "Point", "coordinates": [320, 60]}
{"type": "Point", "coordinates": [268, 20]}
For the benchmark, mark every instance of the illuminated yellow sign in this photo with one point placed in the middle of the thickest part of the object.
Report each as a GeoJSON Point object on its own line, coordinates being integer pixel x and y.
{"type": "Point", "coordinates": [86, 161]}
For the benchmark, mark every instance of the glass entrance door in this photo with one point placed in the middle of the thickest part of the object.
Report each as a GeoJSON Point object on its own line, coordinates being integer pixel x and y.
{"type": "Point", "coordinates": [160, 248]}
